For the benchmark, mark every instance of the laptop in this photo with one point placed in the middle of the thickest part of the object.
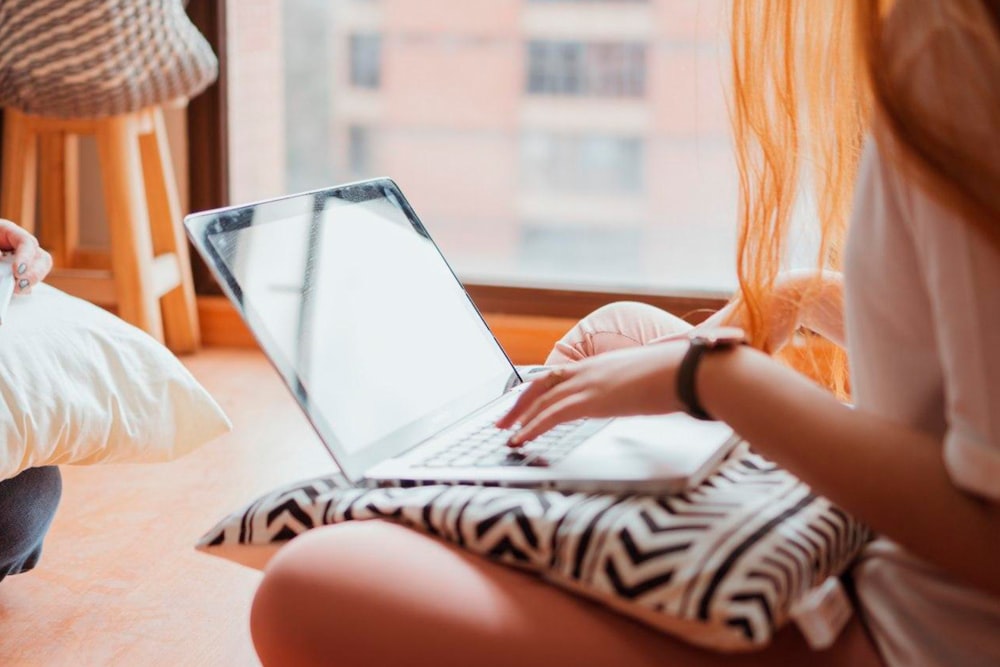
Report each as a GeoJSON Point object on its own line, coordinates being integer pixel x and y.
{"type": "Point", "coordinates": [402, 379]}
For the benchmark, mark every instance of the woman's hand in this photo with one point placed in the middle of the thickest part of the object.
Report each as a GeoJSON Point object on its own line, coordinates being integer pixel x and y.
{"type": "Point", "coordinates": [642, 380]}
{"type": "Point", "coordinates": [31, 262]}
{"type": "Point", "coordinates": [635, 381]}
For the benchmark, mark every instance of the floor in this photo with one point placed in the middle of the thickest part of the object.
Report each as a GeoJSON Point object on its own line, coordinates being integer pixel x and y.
{"type": "Point", "coordinates": [120, 582]}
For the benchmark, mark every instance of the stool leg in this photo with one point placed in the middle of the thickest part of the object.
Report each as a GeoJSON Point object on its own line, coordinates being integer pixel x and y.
{"type": "Point", "coordinates": [20, 170]}
{"type": "Point", "coordinates": [180, 313]}
{"type": "Point", "coordinates": [128, 222]}
{"type": "Point", "coordinates": [58, 215]}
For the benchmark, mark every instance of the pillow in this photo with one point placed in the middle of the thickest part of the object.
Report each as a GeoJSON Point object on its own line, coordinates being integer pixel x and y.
{"type": "Point", "coordinates": [722, 566]}
{"type": "Point", "coordinates": [78, 385]}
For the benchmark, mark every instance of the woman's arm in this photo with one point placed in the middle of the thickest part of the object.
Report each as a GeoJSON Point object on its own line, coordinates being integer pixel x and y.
{"type": "Point", "coordinates": [888, 475]}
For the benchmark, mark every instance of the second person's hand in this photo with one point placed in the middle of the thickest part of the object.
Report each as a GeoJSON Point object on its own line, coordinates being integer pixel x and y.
{"type": "Point", "coordinates": [31, 262]}
{"type": "Point", "coordinates": [636, 381]}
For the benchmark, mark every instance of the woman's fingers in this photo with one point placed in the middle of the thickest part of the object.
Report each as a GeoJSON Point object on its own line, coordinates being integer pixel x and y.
{"type": "Point", "coordinates": [542, 403]}
{"type": "Point", "coordinates": [43, 265]}
{"type": "Point", "coordinates": [12, 235]}
{"type": "Point", "coordinates": [566, 409]}
{"type": "Point", "coordinates": [521, 404]}
{"type": "Point", "coordinates": [536, 389]}
{"type": "Point", "coordinates": [31, 265]}
{"type": "Point", "coordinates": [25, 249]}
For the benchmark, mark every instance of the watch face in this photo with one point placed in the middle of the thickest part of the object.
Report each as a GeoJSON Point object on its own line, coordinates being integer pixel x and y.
{"type": "Point", "coordinates": [723, 336]}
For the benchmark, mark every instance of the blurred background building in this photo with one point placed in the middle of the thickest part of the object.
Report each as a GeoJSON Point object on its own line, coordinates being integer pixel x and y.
{"type": "Point", "coordinates": [542, 142]}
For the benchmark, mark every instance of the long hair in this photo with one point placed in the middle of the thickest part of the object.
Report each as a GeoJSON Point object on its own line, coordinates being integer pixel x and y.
{"type": "Point", "coordinates": [809, 77]}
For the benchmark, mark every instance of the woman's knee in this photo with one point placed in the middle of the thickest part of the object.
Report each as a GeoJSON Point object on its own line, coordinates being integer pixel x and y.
{"type": "Point", "coordinates": [615, 326]}
{"type": "Point", "coordinates": [372, 592]}
{"type": "Point", "coordinates": [28, 503]}
{"type": "Point", "coordinates": [314, 600]}
{"type": "Point", "coordinates": [278, 617]}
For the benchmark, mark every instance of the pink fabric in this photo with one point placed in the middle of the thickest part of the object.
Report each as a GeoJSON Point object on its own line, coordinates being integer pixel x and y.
{"type": "Point", "coordinates": [616, 326]}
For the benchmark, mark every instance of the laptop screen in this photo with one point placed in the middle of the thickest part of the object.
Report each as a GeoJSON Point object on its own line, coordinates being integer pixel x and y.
{"type": "Point", "coordinates": [358, 310]}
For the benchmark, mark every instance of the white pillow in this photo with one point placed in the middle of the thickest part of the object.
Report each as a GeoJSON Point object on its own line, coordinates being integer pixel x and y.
{"type": "Point", "coordinates": [78, 385]}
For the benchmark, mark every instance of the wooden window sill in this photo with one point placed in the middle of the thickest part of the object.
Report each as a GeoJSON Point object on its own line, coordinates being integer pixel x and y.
{"type": "Point", "coordinates": [526, 321]}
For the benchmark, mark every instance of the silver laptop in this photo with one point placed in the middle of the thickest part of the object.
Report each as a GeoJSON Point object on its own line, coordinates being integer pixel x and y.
{"type": "Point", "coordinates": [388, 357]}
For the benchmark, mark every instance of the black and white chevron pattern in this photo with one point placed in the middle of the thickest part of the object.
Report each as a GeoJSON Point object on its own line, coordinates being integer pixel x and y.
{"type": "Point", "coordinates": [720, 566]}
{"type": "Point", "coordinates": [88, 58]}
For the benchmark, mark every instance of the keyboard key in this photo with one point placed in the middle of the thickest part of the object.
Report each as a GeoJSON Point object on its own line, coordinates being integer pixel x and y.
{"type": "Point", "coordinates": [486, 446]}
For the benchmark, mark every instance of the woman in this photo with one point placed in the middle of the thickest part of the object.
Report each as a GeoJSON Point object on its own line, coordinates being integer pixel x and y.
{"type": "Point", "coordinates": [918, 458]}
{"type": "Point", "coordinates": [28, 501]}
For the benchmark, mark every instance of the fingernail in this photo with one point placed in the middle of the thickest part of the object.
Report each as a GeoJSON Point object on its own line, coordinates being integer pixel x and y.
{"type": "Point", "coordinates": [514, 441]}
{"type": "Point", "coordinates": [23, 283]}
{"type": "Point", "coordinates": [21, 268]}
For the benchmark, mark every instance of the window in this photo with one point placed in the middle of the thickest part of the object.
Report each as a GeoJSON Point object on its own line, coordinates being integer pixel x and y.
{"type": "Point", "coordinates": [594, 69]}
{"type": "Point", "coordinates": [558, 144]}
{"type": "Point", "coordinates": [545, 247]}
{"type": "Point", "coordinates": [583, 163]}
{"type": "Point", "coordinates": [365, 60]}
{"type": "Point", "coordinates": [583, 1]}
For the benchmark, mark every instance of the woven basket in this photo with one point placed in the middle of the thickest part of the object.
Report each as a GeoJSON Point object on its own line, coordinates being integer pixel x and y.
{"type": "Point", "coordinates": [92, 58]}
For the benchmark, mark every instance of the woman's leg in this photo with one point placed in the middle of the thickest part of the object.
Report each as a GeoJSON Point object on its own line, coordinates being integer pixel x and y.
{"type": "Point", "coordinates": [27, 504]}
{"type": "Point", "coordinates": [375, 593]}
{"type": "Point", "coordinates": [615, 326]}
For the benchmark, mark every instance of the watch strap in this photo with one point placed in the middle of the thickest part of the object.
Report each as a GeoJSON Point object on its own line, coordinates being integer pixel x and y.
{"type": "Point", "coordinates": [687, 390]}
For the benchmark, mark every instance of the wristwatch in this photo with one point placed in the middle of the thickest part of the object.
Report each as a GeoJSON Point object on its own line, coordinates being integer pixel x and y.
{"type": "Point", "coordinates": [703, 343]}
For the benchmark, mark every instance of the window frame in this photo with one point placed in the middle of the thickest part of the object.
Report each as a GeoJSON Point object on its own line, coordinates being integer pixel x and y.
{"type": "Point", "coordinates": [209, 188]}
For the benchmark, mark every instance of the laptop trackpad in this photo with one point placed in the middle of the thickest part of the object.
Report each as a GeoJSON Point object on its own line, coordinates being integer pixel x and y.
{"type": "Point", "coordinates": [661, 446]}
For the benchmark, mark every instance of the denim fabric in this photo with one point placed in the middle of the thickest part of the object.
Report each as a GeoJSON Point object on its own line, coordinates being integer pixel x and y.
{"type": "Point", "coordinates": [27, 504]}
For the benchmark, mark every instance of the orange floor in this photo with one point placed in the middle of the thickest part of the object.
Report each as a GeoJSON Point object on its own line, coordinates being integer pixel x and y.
{"type": "Point", "coordinates": [120, 582]}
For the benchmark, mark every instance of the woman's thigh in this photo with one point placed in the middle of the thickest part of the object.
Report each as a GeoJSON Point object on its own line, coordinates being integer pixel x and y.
{"type": "Point", "coordinates": [375, 593]}
{"type": "Point", "coordinates": [613, 327]}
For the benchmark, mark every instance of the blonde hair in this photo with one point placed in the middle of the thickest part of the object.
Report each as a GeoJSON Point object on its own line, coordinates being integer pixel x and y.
{"type": "Point", "coordinates": [808, 78]}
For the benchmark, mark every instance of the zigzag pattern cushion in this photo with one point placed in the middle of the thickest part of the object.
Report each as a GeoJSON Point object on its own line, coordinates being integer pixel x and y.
{"type": "Point", "coordinates": [720, 566]}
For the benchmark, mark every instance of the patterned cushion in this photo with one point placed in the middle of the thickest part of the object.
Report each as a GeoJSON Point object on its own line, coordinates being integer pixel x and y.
{"type": "Point", "coordinates": [720, 566]}
{"type": "Point", "coordinates": [88, 58]}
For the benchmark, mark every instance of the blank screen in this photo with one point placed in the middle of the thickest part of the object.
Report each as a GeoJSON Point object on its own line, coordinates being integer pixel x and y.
{"type": "Point", "coordinates": [360, 304]}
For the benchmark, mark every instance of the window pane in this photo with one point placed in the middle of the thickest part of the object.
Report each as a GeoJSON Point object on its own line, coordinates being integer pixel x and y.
{"type": "Point", "coordinates": [549, 142]}
{"type": "Point", "coordinates": [581, 163]}
{"type": "Point", "coordinates": [592, 69]}
{"type": "Point", "coordinates": [365, 60]}
{"type": "Point", "coordinates": [613, 249]}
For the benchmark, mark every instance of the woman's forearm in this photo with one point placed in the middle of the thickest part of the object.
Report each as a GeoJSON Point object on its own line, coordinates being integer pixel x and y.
{"type": "Point", "coordinates": [890, 476]}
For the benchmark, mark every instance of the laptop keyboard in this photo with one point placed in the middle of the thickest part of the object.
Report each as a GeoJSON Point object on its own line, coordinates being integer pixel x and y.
{"type": "Point", "coordinates": [487, 446]}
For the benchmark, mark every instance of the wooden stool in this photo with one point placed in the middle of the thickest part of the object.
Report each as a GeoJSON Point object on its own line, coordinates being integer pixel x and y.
{"type": "Point", "coordinates": [149, 264]}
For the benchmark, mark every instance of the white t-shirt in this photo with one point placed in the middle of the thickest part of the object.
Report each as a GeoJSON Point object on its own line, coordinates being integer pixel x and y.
{"type": "Point", "coordinates": [923, 331]}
